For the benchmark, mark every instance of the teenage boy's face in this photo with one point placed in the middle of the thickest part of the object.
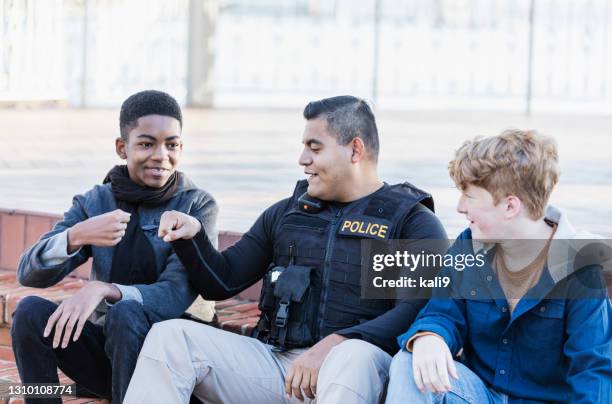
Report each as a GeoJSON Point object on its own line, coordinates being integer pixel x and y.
{"type": "Point", "coordinates": [487, 220]}
{"type": "Point", "coordinates": [153, 150]}
{"type": "Point", "coordinates": [326, 163]}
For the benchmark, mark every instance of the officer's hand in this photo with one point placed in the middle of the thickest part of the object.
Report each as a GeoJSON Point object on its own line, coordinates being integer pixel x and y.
{"type": "Point", "coordinates": [304, 371]}
{"type": "Point", "coordinates": [431, 364]}
{"type": "Point", "coordinates": [101, 231]}
{"type": "Point", "coordinates": [75, 311]}
{"type": "Point", "coordinates": [174, 225]}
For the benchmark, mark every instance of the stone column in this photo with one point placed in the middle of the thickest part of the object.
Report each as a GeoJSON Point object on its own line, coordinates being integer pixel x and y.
{"type": "Point", "coordinates": [200, 56]}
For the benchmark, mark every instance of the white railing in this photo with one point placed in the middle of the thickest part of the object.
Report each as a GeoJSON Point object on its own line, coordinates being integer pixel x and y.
{"type": "Point", "coordinates": [504, 54]}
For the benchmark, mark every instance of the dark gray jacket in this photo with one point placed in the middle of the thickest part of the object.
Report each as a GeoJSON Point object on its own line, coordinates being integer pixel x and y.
{"type": "Point", "coordinates": [46, 262]}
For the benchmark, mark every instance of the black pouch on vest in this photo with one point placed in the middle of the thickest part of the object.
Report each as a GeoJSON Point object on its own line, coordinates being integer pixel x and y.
{"type": "Point", "coordinates": [290, 326]}
{"type": "Point", "coordinates": [266, 304]}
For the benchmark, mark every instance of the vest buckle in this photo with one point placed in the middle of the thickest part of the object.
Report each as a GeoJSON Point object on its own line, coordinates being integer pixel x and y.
{"type": "Point", "coordinates": [282, 315]}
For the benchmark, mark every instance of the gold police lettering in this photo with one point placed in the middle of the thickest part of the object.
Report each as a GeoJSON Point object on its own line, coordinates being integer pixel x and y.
{"type": "Point", "coordinates": [359, 227]}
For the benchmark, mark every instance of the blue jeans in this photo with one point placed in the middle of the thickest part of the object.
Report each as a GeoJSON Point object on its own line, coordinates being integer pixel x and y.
{"type": "Point", "coordinates": [467, 389]}
{"type": "Point", "coordinates": [101, 361]}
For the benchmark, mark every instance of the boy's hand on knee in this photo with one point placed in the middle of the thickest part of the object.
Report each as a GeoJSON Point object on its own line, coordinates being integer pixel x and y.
{"type": "Point", "coordinates": [75, 311]}
{"type": "Point", "coordinates": [175, 225]}
{"type": "Point", "coordinates": [104, 230]}
{"type": "Point", "coordinates": [431, 364]}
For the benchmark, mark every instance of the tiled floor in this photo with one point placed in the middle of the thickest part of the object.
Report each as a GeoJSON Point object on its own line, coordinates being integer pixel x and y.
{"type": "Point", "coordinates": [248, 158]}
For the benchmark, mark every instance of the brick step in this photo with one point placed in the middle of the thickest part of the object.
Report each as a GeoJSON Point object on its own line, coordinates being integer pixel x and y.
{"type": "Point", "coordinates": [235, 315]}
{"type": "Point", "coordinates": [9, 374]}
{"type": "Point", "coordinates": [11, 293]}
{"type": "Point", "coordinates": [20, 229]}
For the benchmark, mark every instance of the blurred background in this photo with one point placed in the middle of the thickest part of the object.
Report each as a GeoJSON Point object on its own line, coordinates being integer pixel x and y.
{"type": "Point", "coordinates": [437, 72]}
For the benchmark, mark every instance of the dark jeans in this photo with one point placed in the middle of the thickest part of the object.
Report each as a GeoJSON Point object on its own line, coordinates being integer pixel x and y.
{"type": "Point", "coordinates": [102, 360]}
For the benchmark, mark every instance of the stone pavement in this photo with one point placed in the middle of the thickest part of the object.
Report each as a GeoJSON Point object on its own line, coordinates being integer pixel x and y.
{"type": "Point", "coordinates": [248, 158]}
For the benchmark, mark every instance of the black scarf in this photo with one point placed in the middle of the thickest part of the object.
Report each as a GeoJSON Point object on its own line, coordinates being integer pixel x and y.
{"type": "Point", "coordinates": [134, 259]}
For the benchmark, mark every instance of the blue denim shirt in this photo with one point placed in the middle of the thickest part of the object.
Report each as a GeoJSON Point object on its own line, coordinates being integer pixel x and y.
{"type": "Point", "coordinates": [169, 296]}
{"type": "Point", "coordinates": [557, 350]}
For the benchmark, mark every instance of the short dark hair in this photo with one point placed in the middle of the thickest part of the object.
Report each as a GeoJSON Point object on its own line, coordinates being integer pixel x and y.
{"type": "Point", "coordinates": [149, 102]}
{"type": "Point", "coordinates": [347, 117]}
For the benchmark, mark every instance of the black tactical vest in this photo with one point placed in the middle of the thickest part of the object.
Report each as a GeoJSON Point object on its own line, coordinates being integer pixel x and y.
{"type": "Point", "coordinates": [313, 287]}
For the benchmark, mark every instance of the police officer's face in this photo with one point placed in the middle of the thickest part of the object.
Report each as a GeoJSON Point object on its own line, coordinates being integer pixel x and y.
{"type": "Point", "coordinates": [327, 164]}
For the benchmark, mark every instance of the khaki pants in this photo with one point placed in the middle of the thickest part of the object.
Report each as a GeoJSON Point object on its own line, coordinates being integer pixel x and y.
{"type": "Point", "coordinates": [180, 357]}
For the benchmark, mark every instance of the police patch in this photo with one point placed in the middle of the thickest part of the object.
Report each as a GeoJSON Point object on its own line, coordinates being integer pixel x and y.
{"type": "Point", "coordinates": [364, 226]}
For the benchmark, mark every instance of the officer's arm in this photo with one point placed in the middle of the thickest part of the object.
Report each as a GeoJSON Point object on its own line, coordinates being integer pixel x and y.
{"type": "Point", "coordinates": [220, 275]}
{"type": "Point", "coordinates": [382, 331]}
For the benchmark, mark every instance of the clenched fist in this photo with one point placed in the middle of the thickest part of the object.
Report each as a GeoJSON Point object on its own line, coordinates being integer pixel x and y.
{"type": "Point", "coordinates": [101, 231]}
{"type": "Point", "coordinates": [174, 225]}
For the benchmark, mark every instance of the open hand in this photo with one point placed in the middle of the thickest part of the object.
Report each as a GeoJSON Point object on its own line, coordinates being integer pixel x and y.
{"type": "Point", "coordinates": [431, 364]}
{"type": "Point", "coordinates": [304, 371]}
{"type": "Point", "coordinates": [74, 311]}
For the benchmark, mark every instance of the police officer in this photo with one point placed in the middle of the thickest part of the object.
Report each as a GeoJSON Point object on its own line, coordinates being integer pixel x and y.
{"type": "Point", "coordinates": [316, 338]}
